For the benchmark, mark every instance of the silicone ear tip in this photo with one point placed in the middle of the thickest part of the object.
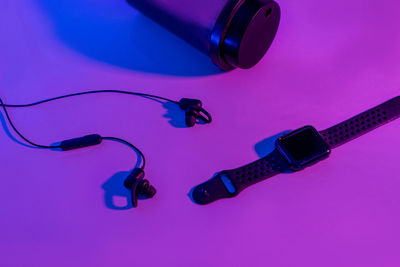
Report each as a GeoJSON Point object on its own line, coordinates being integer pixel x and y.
{"type": "Point", "coordinates": [190, 119]}
{"type": "Point", "coordinates": [150, 192]}
{"type": "Point", "coordinates": [146, 190]}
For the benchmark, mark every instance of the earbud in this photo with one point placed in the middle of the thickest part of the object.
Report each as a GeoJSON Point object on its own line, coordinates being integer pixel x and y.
{"type": "Point", "coordinates": [139, 186]}
{"type": "Point", "coordinates": [191, 118]}
{"type": "Point", "coordinates": [194, 111]}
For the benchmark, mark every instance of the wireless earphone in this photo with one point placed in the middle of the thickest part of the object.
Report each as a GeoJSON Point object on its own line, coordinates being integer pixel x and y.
{"type": "Point", "coordinates": [140, 188]}
{"type": "Point", "coordinates": [194, 111]}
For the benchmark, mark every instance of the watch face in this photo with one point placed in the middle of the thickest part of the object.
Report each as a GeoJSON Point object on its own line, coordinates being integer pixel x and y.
{"type": "Point", "coordinates": [303, 147]}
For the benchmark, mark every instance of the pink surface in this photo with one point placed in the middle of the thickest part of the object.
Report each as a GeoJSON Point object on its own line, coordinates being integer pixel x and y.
{"type": "Point", "coordinates": [331, 60]}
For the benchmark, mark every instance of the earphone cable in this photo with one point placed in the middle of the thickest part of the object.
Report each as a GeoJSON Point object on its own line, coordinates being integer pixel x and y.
{"type": "Point", "coordinates": [87, 93]}
{"type": "Point", "coordinates": [19, 134]}
{"type": "Point", "coordinates": [59, 146]}
{"type": "Point", "coordinates": [130, 145]}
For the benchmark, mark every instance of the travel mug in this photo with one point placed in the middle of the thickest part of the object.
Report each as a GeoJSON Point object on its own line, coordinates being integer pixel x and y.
{"type": "Point", "coordinates": [233, 33]}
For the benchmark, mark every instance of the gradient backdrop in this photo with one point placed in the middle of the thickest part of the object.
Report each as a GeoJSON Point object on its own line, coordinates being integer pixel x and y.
{"type": "Point", "coordinates": [330, 60]}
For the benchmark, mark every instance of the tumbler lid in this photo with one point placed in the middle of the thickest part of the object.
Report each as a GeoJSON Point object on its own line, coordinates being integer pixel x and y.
{"type": "Point", "coordinates": [247, 34]}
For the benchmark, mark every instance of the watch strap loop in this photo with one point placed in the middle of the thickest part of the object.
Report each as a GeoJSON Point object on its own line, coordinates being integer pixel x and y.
{"type": "Point", "coordinates": [229, 183]}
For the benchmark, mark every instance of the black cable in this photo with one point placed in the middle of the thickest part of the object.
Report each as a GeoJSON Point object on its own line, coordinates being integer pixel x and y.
{"type": "Point", "coordinates": [5, 106]}
{"type": "Point", "coordinates": [87, 93]}
{"type": "Point", "coordinates": [20, 135]}
{"type": "Point", "coordinates": [130, 145]}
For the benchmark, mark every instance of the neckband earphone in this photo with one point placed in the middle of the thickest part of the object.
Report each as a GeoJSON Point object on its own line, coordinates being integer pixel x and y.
{"type": "Point", "coordinates": [135, 182]}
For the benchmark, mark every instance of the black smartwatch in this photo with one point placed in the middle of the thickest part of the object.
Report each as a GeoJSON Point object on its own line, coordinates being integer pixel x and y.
{"type": "Point", "coordinates": [295, 151]}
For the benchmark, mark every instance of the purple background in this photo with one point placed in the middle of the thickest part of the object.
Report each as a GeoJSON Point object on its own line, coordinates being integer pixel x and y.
{"type": "Point", "coordinates": [330, 60]}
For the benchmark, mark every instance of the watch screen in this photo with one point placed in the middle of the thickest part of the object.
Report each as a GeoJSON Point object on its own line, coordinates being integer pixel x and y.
{"type": "Point", "coordinates": [304, 145]}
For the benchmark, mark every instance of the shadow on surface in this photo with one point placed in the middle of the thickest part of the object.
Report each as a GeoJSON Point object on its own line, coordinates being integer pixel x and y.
{"type": "Point", "coordinates": [8, 133]}
{"type": "Point", "coordinates": [116, 195]}
{"type": "Point", "coordinates": [175, 115]}
{"type": "Point", "coordinates": [115, 33]}
{"type": "Point", "coordinates": [266, 146]}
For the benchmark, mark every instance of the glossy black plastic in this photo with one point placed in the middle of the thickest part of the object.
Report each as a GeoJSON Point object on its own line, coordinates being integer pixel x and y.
{"type": "Point", "coordinates": [81, 142]}
{"type": "Point", "coordinates": [244, 32]}
{"type": "Point", "coordinates": [233, 33]}
{"type": "Point", "coordinates": [303, 147]}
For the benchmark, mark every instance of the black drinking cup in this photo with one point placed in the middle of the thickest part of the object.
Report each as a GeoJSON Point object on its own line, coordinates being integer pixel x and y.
{"type": "Point", "coordinates": [234, 33]}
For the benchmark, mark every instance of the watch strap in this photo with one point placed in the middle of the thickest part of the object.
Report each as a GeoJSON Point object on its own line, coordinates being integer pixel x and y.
{"type": "Point", "coordinates": [229, 183]}
{"type": "Point", "coordinates": [362, 123]}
